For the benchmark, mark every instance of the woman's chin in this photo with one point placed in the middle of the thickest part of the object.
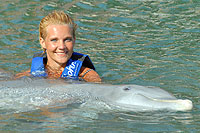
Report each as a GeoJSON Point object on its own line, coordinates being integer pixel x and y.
{"type": "Point", "coordinates": [62, 61]}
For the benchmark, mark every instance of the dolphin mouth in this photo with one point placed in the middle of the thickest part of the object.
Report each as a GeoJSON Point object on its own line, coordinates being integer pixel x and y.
{"type": "Point", "coordinates": [143, 102]}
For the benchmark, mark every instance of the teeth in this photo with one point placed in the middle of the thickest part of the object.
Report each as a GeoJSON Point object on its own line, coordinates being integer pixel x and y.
{"type": "Point", "coordinates": [61, 52]}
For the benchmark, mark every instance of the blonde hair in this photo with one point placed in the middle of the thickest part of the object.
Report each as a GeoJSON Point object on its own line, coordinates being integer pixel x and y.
{"type": "Point", "coordinates": [56, 17]}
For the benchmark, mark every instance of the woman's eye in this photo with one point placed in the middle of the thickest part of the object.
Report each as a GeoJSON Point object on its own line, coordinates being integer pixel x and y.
{"type": "Point", "coordinates": [68, 39]}
{"type": "Point", "coordinates": [53, 40]}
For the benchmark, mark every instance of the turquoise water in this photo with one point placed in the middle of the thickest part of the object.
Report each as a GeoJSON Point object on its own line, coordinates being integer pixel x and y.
{"type": "Point", "coordinates": [144, 42]}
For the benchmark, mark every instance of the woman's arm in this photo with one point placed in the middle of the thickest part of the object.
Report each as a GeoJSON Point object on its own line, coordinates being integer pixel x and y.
{"type": "Point", "coordinates": [89, 75]}
{"type": "Point", "coordinates": [19, 75]}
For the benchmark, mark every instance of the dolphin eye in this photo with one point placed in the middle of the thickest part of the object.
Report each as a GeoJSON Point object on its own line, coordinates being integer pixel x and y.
{"type": "Point", "coordinates": [127, 88]}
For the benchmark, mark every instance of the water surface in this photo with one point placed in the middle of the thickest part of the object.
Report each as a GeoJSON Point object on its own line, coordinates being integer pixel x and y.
{"type": "Point", "coordinates": [144, 42]}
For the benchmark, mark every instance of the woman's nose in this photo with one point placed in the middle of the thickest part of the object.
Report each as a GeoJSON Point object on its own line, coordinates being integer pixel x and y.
{"type": "Point", "coordinates": [61, 45]}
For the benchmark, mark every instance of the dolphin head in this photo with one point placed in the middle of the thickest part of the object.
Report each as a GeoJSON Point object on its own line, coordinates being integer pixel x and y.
{"type": "Point", "coordinates": [135, 97]}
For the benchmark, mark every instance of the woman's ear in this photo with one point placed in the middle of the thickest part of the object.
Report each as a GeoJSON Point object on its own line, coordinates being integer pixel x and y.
{"type": "Point", "coordinates": [42, 43]}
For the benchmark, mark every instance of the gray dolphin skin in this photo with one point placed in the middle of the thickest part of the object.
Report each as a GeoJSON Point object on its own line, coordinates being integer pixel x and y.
{"type": "Point", "coordinates": [28, 94]}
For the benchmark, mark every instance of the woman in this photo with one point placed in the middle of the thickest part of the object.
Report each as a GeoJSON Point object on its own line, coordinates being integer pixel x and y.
{"type": "Point", "coordinates": [57, 38]}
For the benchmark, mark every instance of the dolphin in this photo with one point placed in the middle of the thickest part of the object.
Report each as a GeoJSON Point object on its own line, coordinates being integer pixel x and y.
{"type": "Point", "coordinates": [28, 94]}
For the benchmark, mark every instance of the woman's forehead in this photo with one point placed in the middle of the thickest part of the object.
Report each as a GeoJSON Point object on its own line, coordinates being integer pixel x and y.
{"type": "Point", "coordinates": [59, 29]}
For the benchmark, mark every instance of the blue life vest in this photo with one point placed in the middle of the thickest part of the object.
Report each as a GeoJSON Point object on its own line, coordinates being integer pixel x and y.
{"type": "Point", "coordinates": [71, 70]}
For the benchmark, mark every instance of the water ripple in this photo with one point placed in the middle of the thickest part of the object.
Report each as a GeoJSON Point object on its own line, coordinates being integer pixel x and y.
{"type": "Point", "coordinates": [147, 42]}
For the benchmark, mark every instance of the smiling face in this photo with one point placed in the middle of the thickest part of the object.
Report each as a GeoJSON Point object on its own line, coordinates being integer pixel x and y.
{"type": "Point", "coordinates": [59, 44]}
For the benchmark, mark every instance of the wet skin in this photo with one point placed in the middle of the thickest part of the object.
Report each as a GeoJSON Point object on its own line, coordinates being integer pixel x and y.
{"type": "Point", "coordinates": [59, 44]}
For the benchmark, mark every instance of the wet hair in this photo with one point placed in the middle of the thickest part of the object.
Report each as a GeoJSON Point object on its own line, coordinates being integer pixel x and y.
{"type": "Point", "coordinates": [56, 17]}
